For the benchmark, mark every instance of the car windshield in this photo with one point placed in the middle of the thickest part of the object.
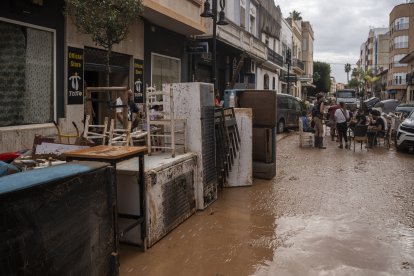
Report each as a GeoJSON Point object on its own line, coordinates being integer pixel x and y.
{"type": "Point", "coordinates": [346, 94]}
{"type": "Point", "coordinates": [411, 115]}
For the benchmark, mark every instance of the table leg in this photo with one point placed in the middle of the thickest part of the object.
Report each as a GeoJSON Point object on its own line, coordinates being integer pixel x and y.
{"type": "Point", "coordinates": [142, 197]}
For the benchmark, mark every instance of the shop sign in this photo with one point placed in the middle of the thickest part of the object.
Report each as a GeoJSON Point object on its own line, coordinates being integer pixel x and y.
{"type": "Point", "coordinates": [138, 81]}
{"type": "Point", "coordinates": [197, 48]}
{"type": "Point", "coordinates": [75, 75]}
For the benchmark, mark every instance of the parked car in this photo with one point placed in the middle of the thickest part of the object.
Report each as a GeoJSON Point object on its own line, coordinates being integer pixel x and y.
{"type": "Point", "coordinates": [386, 106]}
{"type": "Point", "coordinates": [289, 109]}
{"type": "Point", "coordinates": [404, 137]}
{"type": "Point", "coordinates": [404, 108]}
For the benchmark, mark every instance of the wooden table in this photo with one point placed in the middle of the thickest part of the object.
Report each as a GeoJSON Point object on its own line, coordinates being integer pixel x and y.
{"type": "Point", "coordinates": [113, 155]}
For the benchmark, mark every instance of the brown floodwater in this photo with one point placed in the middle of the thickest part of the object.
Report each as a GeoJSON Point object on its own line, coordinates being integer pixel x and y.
{"type": "Point", "coordinates": [327, 212]}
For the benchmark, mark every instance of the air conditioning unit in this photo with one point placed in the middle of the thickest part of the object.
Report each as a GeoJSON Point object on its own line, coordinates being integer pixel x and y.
{"type": "Point", "coordinates": [250, 66]}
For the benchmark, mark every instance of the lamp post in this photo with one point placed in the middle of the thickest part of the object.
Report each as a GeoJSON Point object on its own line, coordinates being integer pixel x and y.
{"type": "Point", "coordinates": [212, 13]}
{"type": "Point", "coordinates": [288, 61]}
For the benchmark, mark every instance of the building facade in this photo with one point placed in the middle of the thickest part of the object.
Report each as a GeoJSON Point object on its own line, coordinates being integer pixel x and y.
{"type": "Point", "coordinates": [307, 58]}
{"type": "Point", "coordinates": [401, 44]}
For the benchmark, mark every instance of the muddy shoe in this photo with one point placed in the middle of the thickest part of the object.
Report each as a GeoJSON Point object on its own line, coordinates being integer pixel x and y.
{"type": "Point", "coordinates": [341, 146]}
{"type": "Point", "coordinates": [347, 146]}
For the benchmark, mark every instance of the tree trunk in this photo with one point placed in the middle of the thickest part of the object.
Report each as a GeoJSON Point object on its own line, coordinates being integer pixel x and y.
{"type": "Point", "coordinates": [108, 68]}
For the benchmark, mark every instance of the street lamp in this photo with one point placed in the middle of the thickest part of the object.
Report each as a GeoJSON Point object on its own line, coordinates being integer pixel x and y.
{"type": "Point", "coordinates": [212, 13]}
{"type": "Point", "coordinates": [288, 61]}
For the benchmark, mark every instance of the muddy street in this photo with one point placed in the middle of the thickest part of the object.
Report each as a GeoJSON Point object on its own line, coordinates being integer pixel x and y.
{"type": "Point", "coordinates": [327, 212]}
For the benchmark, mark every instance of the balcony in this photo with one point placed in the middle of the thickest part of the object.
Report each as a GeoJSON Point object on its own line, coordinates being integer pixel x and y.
{"type": "Point", "coordinates": [274, 57]}
{"type": "Point", "coordinates": [306, 78]}
{"type": "Point", "coordinates": [400, 45]}
{"type": "Point", "coordinates": [400, 27]}
{"type": "Point", "coordinates": [298, 64]}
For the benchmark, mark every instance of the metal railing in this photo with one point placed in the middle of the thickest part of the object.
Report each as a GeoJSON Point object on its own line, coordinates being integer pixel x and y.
{"type": "Point", "coordinates": [298, 63]}
{"type": "Point", "coordinates": [400, 27]}
{"type": "Point", "coordinates": [274, 57]}
{"type": "Point", "coordinates": [400, 45]}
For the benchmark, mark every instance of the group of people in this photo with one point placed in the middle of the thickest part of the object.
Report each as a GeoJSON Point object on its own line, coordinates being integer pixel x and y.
{"type": "Point", "coordinates": [339, 119]}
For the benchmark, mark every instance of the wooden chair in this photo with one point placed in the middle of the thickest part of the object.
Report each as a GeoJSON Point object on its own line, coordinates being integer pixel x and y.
{"type": "Point", "coordinates": [171, 130]}
{"type": "Point", "coordinates": [360, 135]}
{"type": "Point", "coordinates": [96, 132]}
{"type": "Point", "coordinates": [305, 138]}
{"type": "Point", "coordinates": [119, 137]}
{"type": "Point", "coordinates": [66, 135]}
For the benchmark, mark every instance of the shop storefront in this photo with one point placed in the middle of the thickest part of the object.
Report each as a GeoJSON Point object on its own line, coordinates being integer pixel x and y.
{"type": "Point", "coordinates": [165, 59]}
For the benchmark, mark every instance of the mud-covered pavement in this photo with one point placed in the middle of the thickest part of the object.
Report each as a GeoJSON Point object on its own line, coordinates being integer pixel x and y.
{"type": "Point", "coordinates": [327, 212]}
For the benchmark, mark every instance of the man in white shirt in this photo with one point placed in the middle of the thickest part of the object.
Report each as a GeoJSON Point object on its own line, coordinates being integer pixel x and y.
{"type": "Point", "coordinates": [342, 118]}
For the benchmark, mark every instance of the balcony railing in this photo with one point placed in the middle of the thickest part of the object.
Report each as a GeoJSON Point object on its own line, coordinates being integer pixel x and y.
{"type": "Point", "coordinates": [298, 63]}
{"type": "Point", "coordinates": [400, 27]}
{"type": "Point", "coordinates": [400, 45]}
{"type": "Point", "coordinates": [397, 82]}
{"type": "Point", "coordinates": [274, 57]}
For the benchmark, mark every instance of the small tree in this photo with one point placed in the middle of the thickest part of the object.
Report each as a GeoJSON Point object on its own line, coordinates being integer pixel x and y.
{"type": "Point", "coordinates": [107, 21]}
{"type": "Point", "coordinates": [370, 79]}
{"type": "Point", "coordinates": [296, 15]}
{"type": "Point", "coordinates": [347, 70]}
{"type": "Point", "coordinates": [323, 71]}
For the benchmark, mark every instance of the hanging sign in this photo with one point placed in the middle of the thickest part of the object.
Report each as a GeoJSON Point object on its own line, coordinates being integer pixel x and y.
{"type": "Point", "coordinates": [75, 75]}
{"type": "Point", "coordinates": [138, 81]}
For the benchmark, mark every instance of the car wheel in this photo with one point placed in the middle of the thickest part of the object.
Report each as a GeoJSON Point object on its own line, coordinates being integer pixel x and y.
{"type": "Point", "coordinates": [281, 126]}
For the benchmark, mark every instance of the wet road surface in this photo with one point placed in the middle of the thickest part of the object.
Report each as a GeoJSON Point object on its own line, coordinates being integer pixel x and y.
{"type": "Point", "coordinates": [327, 212]}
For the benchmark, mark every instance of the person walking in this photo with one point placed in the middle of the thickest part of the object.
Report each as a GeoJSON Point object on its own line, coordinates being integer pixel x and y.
{"type": "Point", "coordinates": [317, 115]}
{"type": "Point", "coordinates": [341, 118]}
{"type": "Point", "coordinates": [331, 119]}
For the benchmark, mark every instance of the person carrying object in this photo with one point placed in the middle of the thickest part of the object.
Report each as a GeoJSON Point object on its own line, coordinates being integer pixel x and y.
{"type": "Point", "coordinates": [342, 118]}
{"type": "Point", "coordinates": [306, 124]}
{"type": "Point", "coordinates": [376, 128]}
{"type": "Point", "coordinates": [317, 114]}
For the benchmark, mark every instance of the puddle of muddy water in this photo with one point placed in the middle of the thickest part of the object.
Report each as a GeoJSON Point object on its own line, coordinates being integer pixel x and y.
{"type": "Point", "coordinates": [342, 245]}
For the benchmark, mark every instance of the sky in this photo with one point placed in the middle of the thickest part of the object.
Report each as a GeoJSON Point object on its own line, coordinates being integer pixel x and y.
{"type": "Point", "coordinates": [340, 27]}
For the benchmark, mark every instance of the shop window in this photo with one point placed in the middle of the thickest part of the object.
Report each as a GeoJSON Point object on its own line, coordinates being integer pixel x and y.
{"type": "Point", "coordinates": [164, 70]}
{"type": "Point", "coordinates": [27, 73]}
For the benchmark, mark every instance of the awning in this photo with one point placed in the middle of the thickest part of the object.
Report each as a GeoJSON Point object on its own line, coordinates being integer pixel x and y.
{"type": "Point", "coordinates": [392, 91]}
{"type": "Point", "coordinates": [308, 84]}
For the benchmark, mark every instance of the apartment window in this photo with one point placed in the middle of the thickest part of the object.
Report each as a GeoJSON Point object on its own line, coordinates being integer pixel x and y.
{"type": "Point", "coordinates": [252, 24]}
{"type": "Point", "coordinates": [411, 96]}
{"type": "Point", "coordinates": [304, 44]}
{"type": "Point", "coordinates": [266, 81]}
{"type": "Point", "coordinates": [284, 50]}
{"type": "Point", "coordinates": [399, 79]}
{"type": "Point", "coordinates": [243, 14]}
{"type": "Point", "coordinates": [164, 70]}
{"type": "Point", "coordinates": [253, 20]}
{"type": "Point", "coordinates": [267, 40]}
{"type": "Point", "coordinates": [401, 23]}
{"type": "Point", "coordinates": [396, 61]}
{"type": "Point", "coordinates": [274, 83]}
{"type": "Point", "coordinates": [27, 64]}
{"type": "Point", "coordinates": [401, 42]}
